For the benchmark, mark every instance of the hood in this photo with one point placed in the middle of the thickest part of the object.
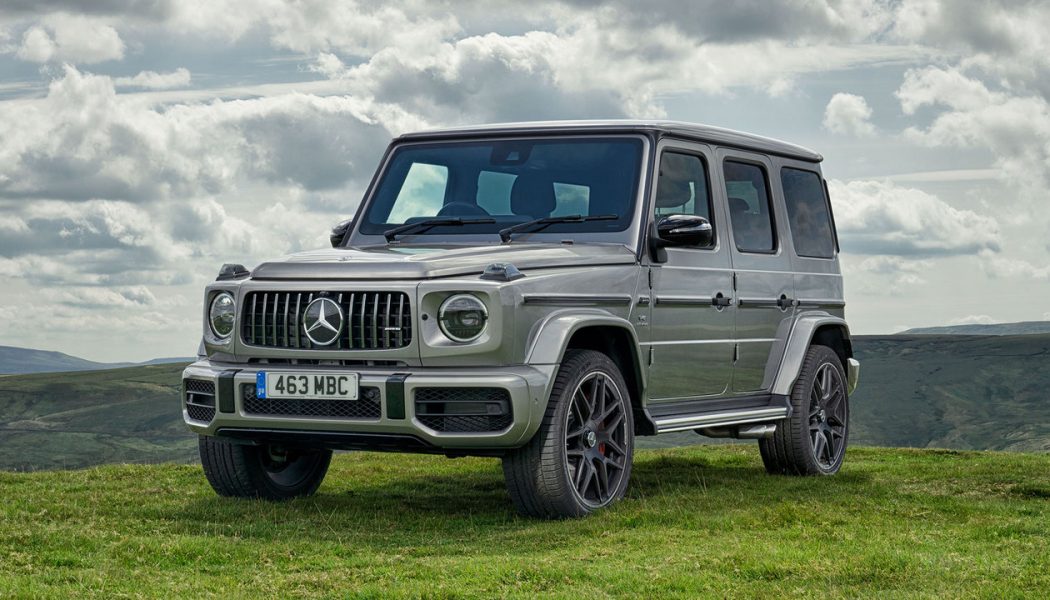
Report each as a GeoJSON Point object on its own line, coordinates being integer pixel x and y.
{"type": "Point", "coordinates": [417, 262]}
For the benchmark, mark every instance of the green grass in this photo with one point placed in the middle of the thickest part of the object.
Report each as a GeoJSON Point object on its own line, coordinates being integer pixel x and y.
{"type": "Point", "coordinates": [699, 521]}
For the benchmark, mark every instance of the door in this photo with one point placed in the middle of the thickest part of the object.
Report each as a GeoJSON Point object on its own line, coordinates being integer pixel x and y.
{"type": "Point", "coordinates": [764, 280]}
{"type": "Point", "coordinates": [691, 341]}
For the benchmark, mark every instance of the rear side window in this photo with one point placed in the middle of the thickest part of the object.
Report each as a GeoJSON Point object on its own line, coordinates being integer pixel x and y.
{"type": "Point", "coordinates": [808, 213]}
{"type": "Point", "coordinates": [750, 209]}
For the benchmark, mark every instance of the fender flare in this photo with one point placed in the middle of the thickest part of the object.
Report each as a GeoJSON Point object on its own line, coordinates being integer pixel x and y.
{"type": "Point", "coordinates": [801, 336]}
{"type": "Point", "coordinates": [550, 336]}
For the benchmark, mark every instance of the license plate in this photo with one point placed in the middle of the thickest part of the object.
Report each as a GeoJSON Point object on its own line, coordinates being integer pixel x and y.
{"type": "Point", "coordinates": [310, 386]}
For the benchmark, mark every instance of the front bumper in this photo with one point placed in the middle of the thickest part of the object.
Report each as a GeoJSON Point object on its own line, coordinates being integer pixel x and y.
{"type": "Point", "coordinates": [526, 386]}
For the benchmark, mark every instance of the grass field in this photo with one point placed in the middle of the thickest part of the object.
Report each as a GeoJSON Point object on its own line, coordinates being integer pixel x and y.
{"type": "Point", "coordinates": [698, 521]}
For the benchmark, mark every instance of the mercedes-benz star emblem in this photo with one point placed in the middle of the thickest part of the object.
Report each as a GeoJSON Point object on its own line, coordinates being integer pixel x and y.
{"type": "Point", "coordinates": [323, 321]}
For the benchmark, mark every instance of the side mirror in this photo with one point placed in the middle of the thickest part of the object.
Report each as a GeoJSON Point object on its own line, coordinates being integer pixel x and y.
{"type": "Point", "coordinates": [684, 230]}
{"type": "Point", "coordinates": [338, 233]}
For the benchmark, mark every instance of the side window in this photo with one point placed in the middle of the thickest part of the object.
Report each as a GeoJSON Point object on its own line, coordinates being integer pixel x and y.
{"type": "Point", "coordinates": [422, 193]}
{"type": "Point", "coordinates": [682, 186]}
{"type": "Point", "coordinates": [808, 214]}
{"type": "Point", "coordinates": [750, 209]}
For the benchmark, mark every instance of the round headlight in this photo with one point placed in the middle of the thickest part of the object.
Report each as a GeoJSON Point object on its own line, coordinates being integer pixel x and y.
{"type": "Point", "coordinates": [463, 318]}
{"type": "Point", "coordinates": [221, 315]}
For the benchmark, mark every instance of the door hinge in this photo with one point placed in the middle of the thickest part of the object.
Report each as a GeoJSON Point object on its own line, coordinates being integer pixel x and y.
{"type": "Point", "coordinates": [650, 356]}
{"type": "Point", "coordinates": [650, 273]}
{"type": "Point", "coordinates": [734, 281]}
{"type": "Point", "coordinates": [736, 352]}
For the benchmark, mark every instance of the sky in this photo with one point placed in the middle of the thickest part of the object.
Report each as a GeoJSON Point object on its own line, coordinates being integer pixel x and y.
{"type": "Point", "coordinates": [143, 143]}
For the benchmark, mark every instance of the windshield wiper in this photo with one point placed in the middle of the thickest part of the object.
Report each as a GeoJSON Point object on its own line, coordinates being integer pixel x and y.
{"type": "Point", "coordinates": [421, 226]}
{"type": "Point", "coordinates": [540, 224]}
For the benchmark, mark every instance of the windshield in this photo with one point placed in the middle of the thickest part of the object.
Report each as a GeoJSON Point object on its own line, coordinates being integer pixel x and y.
{"type": "Point", "coordinates": [496, 184]}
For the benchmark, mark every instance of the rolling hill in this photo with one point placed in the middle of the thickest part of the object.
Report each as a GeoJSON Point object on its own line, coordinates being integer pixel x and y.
{"type": "Point", "coordinates": [1021, 328]}
{"type": "Point", "coordinates": [78, 419]}
{"type": "Point", "coordinates": [14, 360]}
{"type": "Point", "coordinates": [925, 391]}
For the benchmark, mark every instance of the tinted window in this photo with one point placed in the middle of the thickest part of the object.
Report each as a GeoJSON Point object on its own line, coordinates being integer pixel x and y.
{"type": "Point", "coordinates": [808, 214]}
{"type": "Point", "coordinates": [494, 193]}
{"type": "Point", "coordinates": [511, 181]}
{"type": "Point", "coordinates": [422, 194]}
{"type": "Point", "coordinates": [682, 186]}
{"type": "Point", "coordinates": [750, 210]}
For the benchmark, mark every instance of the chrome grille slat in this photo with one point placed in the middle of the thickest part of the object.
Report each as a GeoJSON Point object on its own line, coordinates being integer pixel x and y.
{"type": "Point", "coordinates": [263, 327]}
{"type": "Point", "coordinates": [298, 335]}
{"type": "Point", "coordinates": [373, 320]}
{"type": "Point", "coordinates": [284, 330]}
{"type": "Point", "coordinates": [350, 321]}
{"type": "Point", "coordinates": [400, 319]}
{"type": "Point", "coordinates": [276, 300]}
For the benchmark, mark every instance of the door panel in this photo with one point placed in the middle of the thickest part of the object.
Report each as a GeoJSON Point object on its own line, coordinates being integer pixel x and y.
{"type": "Point", "coordinates": [764, 280]}
{"type": "Point", "coordinates": [691, 339]}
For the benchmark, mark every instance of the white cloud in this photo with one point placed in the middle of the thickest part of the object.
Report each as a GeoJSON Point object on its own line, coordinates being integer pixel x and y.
{"type": "Point", "coordinates": [848, 114]}
{"type": "Point", "coordinates": [973, 320]}
{"type": "Point", "coordinates": [156, 81]}
{"type": "Point", "coordinates": [1014, 129]}
{"type": "Point", "coordinates": [876, 217]}
{"type": "Point", "coordinates": [74, 39]}
{"type": "Point", "coordinates": [999, 267]}
{"type": "Point", "coordinates": [85, 141]}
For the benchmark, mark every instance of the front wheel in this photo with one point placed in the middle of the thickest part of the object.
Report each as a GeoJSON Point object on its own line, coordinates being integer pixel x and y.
{"type": "Point", "coordinates": [580, 459]}
{"type": "Point", "coordinates": [812, 441]}
{"type": "Point", "coordinates": [268, 471]}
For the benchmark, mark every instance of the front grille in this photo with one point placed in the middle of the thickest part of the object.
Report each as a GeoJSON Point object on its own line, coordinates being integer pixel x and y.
{"type": "Point", "coordinates": [464, 410]}
{"type": "Point", "coordinates": [368, 406]}
{"type": "Point", "coordinates": [371, 320]}
{"type": "Point", "coordinates": [200, 399]}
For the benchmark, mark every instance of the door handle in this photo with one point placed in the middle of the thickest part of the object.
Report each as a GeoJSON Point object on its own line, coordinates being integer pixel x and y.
{"type": "Point", "coordinates": [784, 302]}
{"type": "Point", "coordinates": [721, 301]}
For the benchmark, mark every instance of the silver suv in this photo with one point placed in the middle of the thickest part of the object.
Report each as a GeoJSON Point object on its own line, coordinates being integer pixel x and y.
{"type": "Point", "coordinates": [541, 293]}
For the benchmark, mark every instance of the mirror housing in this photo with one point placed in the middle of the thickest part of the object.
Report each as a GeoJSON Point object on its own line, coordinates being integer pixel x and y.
{"type": "Point", "coordinates": [684, 230]}
{"type": "Point", "coordinates": [339, 232]}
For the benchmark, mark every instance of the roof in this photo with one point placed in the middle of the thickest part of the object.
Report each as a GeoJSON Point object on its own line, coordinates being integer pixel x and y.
{"type": "Point", "coordinates": [693, 131]}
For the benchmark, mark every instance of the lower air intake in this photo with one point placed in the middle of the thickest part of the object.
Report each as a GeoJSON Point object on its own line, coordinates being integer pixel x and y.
{"type": "Point", "coordinates": [368, 406]}
{"type": "Point", "coordinates": [199, 397]}
{"type": "Point", "coordinates": [464, 410]}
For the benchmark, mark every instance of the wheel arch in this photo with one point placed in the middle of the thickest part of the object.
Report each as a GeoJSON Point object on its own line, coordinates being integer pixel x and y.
{"type": "Point", "coordinates": [821, 328]}
{"type": "Point", "coordinates": [602, 332]}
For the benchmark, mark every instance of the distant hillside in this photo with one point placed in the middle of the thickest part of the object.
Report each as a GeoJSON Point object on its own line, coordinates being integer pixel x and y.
{"type": "Point", "coordinates": [14, 360]}
{"type": "Point", "coordinates": [961, 392]}
{"type": "Point", "coordinates": [1022, 328]}
{"type": "Point", "coordinates": [78, 419]}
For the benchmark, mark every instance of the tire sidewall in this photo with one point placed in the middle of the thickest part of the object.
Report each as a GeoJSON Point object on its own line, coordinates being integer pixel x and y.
{"type": "Point", "coordinates": [596, 363]}
{"type": "Point", "coordinates": [818, 357]}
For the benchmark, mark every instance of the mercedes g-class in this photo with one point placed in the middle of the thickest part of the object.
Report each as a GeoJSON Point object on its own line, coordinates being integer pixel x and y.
{"type": "Point", "coordinates": [541, 293]}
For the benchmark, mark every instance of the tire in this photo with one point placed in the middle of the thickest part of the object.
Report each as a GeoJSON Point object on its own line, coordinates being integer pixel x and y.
{"type": "Point", "coordinates": [579, 461]}
{"type": "Point", "coordinates": [813, 440]}
{"type": "Point", "coordinates": [265, 471]}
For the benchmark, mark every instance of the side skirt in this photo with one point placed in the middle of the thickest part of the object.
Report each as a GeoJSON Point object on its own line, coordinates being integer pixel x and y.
{"type": "Point", "coordinates": [702, 414]}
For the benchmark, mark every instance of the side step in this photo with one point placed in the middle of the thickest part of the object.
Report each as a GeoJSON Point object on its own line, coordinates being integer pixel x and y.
{"type": "Point", "coordinates": [714, 415]}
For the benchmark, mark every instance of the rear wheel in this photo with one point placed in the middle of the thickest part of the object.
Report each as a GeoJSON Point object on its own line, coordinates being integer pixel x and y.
{"type": "Point", "coordinates": [580, 459]}
{"type": "Point", "coordinates": [812, 441]}
{"type": "Point", "coordinates": [268, 471]}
